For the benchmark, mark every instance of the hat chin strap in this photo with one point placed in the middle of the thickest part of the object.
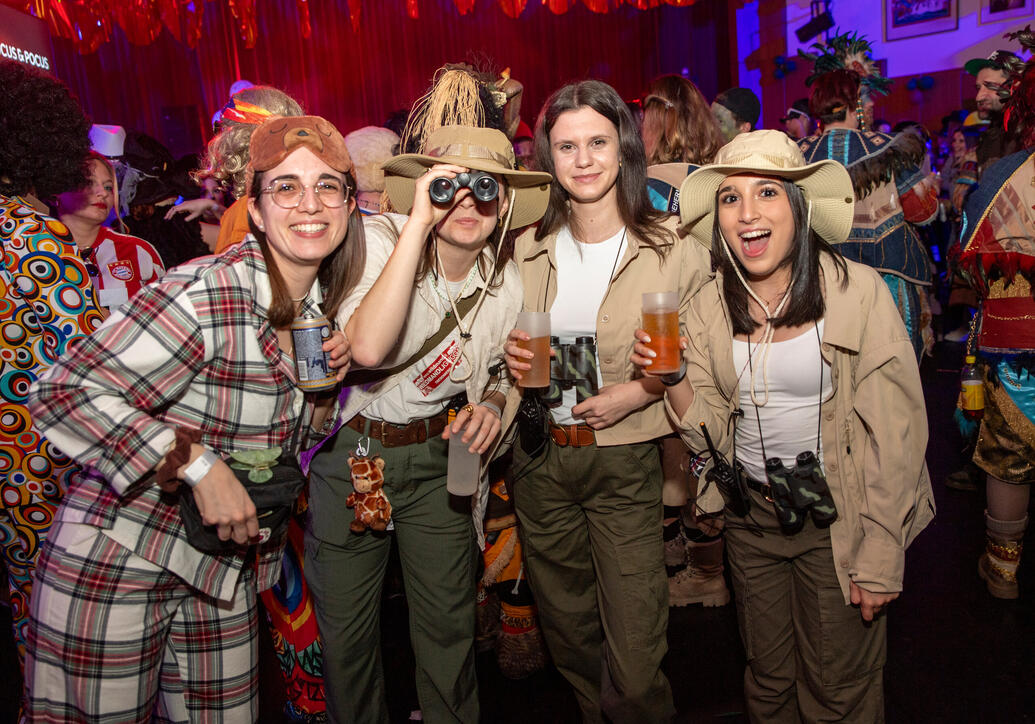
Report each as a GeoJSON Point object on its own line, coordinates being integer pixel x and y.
{"type": "Point", "coordinates": [465, 334]}
{"type": "Point", "coordinates": [766, 343]}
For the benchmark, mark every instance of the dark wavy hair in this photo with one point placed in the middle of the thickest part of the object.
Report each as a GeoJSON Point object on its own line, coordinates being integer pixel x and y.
{"type": "Point", "coordinates": [834, 96]}
{"type": "Point", "coordinates": [806, 303]}
{"type": "Point", "coordinates": [339, 273]}
{"type": "Point", "coordinates": [678, 124]}
{"type": "Point", "coordinates": [45, 135]}
{"type": "Point", "coordinates": [633, 202]}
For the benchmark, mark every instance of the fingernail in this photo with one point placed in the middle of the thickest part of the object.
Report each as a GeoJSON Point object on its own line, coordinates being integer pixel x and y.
{"type": "Point", "coordinates": [646, 338]}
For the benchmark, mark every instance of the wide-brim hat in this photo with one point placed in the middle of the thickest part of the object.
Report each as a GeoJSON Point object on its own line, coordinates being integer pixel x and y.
{"type": "Point", "coordinates": [479, 149]}
{"type": "Point", "coordinates": [769, 153]}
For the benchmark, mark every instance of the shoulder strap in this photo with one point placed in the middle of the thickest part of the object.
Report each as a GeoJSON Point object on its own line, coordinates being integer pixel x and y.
{"type": "Point", "coordinates": [366, 377]}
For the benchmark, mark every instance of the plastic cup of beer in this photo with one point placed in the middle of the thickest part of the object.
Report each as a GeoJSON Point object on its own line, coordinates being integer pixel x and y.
{"type": "Point", "coordinates": [537, 326]}
{"type": "Point", "coordinates": [661, 322]}
{"type": "Point", "coordinates": [463, 468]}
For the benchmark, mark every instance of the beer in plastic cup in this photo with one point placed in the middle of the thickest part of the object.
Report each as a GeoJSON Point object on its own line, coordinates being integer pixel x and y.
{"type": "Point", "coordinates": [537, 326]}
{"type": "Point", "coordinates": [661, 322]}
{"type": "Point", "coordinates": [464, 467]}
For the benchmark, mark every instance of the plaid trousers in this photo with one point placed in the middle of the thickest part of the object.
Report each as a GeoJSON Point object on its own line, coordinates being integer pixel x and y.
{"type": "Point", "coordinates": [114, 638]}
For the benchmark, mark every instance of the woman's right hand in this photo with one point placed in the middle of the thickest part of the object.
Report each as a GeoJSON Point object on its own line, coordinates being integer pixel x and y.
{"type": "Point", "coordinates": [224, 503]}
{"type": "Point", "coordinates": [643, 356]}
{"type": "Point", "coordinates": [517, 357]}
{"type": "Point", "coordinates": [425, 211]}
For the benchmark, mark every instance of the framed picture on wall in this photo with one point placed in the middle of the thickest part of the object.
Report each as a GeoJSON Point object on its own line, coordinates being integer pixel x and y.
{"type": "Point", "coordinates": [909, 18]}
{"type": "Point", "coordinates": [992, 11]}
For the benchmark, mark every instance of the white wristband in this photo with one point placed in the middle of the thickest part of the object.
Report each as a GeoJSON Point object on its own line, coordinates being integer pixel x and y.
{"type": "Point", "coordinates": [199, 468]}
{"type": "Point", "coordinates": [492, 406]}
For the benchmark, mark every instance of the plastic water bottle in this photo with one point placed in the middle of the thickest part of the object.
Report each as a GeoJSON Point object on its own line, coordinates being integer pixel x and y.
{"type": "Point", "coordinates": [972, 389]}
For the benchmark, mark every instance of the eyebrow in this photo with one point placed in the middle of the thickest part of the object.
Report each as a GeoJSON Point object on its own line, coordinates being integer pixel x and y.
{"type": "Point", "coordinates": [756, 182]}
{"type": "Point", "coordinates": [296, 177]}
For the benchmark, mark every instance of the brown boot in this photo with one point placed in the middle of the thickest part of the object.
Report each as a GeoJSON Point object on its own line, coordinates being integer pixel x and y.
{"type": "Point", "coordinates": [701, 581]}
{"type": "Point", "coordinates": [998, 564]}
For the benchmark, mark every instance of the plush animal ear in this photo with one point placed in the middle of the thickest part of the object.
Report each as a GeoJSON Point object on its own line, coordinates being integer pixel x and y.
{"type": "Point", "coordinates": [379, 462]}
{"type": "Point", "coordinates": [352, 461]}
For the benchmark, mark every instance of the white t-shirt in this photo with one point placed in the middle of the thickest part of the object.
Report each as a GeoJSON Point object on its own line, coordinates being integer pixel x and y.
{"type": "Point", "coordinates": [428, 387]}
{"type": "Point", "coordinates": [790, 419]}
{"type": "Point", "coordinates": [584, 272]}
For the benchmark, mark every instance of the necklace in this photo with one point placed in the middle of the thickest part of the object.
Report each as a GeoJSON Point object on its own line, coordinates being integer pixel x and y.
{"type": "Point", "coordinates": [301, 298]}
{"type": "Point", "coordinates": [445, 297]}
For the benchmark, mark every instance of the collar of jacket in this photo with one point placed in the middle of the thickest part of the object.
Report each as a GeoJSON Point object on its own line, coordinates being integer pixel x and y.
{"type": "Point", "coordinates": [844, 318]}
{"type": "Point", "coordinates": [548, 245]}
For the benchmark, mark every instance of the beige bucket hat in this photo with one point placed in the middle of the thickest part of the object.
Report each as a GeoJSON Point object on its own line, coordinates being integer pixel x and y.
{"type": "Point", "coordinates": [769, 153]}
{"type": "Point", "coordinates": [479, 149]}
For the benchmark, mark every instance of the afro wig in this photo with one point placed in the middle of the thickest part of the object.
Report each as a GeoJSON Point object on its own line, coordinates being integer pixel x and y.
{"type": "Point", "coordinates": [45, 139]}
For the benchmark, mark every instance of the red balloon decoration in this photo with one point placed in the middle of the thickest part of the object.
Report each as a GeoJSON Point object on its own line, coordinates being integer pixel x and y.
{"type": "Point", "coordinates": [88, 23]}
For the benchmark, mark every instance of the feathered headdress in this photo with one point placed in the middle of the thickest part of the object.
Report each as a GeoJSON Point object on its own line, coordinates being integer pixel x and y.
{"type": "Point", "coordinates": [1018, 92]}
{"type": "Point", "coordinates": [849, 51]}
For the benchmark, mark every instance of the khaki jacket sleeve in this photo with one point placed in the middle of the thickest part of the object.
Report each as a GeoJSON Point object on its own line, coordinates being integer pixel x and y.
{"type": "Point", "coordinates": [889, 403]}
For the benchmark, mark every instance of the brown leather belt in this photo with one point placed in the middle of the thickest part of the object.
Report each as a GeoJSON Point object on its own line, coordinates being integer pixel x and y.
{"type": "Point", "coordinates": [572, 435]}
{"type": "Point", "coordinates": [390, 435]}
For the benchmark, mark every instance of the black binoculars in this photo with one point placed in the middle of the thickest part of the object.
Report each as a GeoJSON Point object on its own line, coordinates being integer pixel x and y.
{"type": "Point", "coordinates": [483, 186]}
{"type": "Point", "coordinates": [729, 479]}
{"type": "Point", "coordinates": [800, 491]}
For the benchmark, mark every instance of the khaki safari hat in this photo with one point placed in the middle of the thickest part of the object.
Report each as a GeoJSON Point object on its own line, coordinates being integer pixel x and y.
{"type": "Point", "coordinates": [769, 153]}
{"type": "Point", "coordinates": [479, 149]}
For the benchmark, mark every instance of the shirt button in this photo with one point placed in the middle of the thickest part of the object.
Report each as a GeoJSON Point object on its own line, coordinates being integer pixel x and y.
{"type": "Point", "coordinates": [833, 466]}
{"type": "Point", "coordinates": [828, 417]}
{"type": "Point", "coordinates": [609, 360]}
{"type": "Point", "coordinates": [605, 318]}
{"type": "Point", "coordinates": [844, 563]}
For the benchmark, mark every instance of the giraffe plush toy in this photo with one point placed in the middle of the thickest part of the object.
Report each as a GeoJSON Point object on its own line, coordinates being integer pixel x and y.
{"type": "Point", "coordinates": [372, 508]}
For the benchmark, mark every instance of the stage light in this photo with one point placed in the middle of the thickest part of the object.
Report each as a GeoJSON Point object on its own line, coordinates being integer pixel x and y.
{"type": "Point", "coordinates": [818, 24]}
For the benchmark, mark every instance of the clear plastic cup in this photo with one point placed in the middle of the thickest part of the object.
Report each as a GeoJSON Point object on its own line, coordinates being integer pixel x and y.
{"type": "Point", "coordinates": [464, 467]}
{"type": "Point", "coordinates": [537, 326]}
{"type": "Point", "coordinates": [661, 322]}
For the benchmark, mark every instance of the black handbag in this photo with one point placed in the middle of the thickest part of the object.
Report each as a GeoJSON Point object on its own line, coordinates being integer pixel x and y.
{"type": "Point", "coordinates": [273, 483]}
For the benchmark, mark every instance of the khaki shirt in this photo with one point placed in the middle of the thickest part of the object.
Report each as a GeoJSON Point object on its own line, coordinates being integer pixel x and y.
{"type": "Point", "coordinates": [685, 268]}
{"type": "Point", "coordinates": [874, 428]}
{"type": "Point", "coordinates": [495, 319]}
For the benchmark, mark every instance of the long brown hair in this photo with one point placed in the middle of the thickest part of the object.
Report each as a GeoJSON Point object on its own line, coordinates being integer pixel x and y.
{"type": "Point", "coordinates": [339, 272]}
{"type": "Point", "coordinates": [633, 202]}
{"type": "Point", "coordinates": [678, 124]}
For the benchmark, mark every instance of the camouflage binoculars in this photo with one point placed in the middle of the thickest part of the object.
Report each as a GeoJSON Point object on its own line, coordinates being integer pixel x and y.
{"type": "Point", "coordinates": [572, 365]}
{"type": "Point", "coordinates": [800, 491]}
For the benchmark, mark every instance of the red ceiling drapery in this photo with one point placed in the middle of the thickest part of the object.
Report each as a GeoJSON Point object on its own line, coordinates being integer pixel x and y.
{"type": "Point", "coordinates": [88, 23]}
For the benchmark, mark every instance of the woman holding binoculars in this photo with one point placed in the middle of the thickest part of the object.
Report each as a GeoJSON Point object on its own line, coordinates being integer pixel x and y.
{"type": "Point", "coordinates": [445, 267]}
{"type": "Point", "coordinates": [586, 472]}
{"type": "Point", "coordinates": [800, 368]}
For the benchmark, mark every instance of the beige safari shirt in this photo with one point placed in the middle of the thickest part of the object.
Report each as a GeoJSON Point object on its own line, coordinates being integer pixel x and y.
{"type": "Point", "coordinates": [874, 429]}
{"type": "Point", "coordinates": [685, 268]}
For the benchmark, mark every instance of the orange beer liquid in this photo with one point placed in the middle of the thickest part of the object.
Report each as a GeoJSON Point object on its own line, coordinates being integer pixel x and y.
{"type": "Point", "coordinates": [663, 328]}
{"type": "Point", "coordinates": [539, 375]}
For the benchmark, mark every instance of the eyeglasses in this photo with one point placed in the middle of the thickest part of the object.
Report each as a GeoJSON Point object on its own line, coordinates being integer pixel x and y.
{"type": "Point", "coordinates": [288, 194]}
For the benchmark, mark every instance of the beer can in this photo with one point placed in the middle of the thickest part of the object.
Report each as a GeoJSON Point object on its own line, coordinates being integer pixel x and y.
{"type": "Point", "coordinates": [312, 366]}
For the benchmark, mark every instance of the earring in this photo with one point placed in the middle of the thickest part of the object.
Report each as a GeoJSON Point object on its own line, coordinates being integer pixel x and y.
{"type": "Point", "coordinates": [860, 117]}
